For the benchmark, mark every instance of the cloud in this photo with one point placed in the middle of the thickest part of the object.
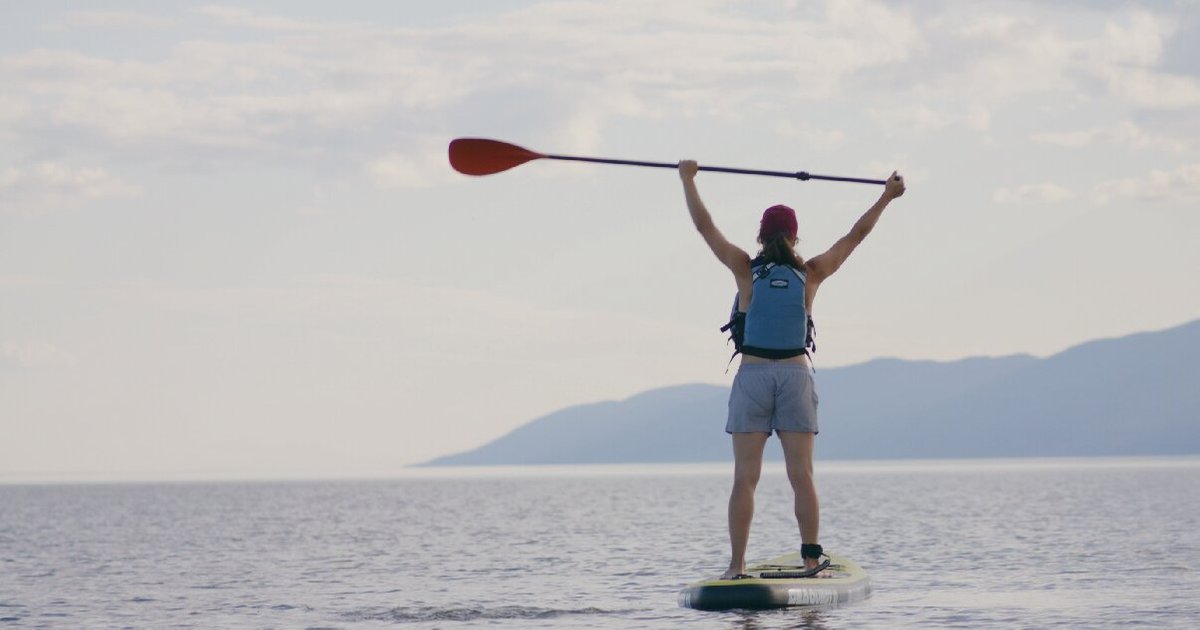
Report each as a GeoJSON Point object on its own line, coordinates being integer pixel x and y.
{"type": "Point", "coordinates": [344, 90]}
{"type": "Point", "coordinates": [345, 94]}
{"type": "Point", "coordinates": [422, 167]}
{"type": "Point", "coordinates": [1125, 134]}
{"type": "Point", "coordinates": [126, 20]}
{"type": "Point", "coordinates": [237, 16]}
{"type": "Point", "coordinates": [22, 281]}
{"type": "Point", "coordinates": [922, 118]}
{"type": "Point", "coordinates": [1127, 64]}
{"type": "Point", "coordinates": [47, 185]}
{"type": "Point", "coordinates": [1145, 88]}
{"type": "Point", "coordinates": [1032, 193]}
{"type": "Point", "coordinates": [996, 57]}
{"type": "Point", "coordinates": [325, 307]}
{"type": "Point", "coordinates": [13, 110]}
{"type": "Point", "coordinates": [1181, 184]}
{"type": "Point", "coordinates": [810, 135]}
{"type": "Point", "coordinates": [35, 354]}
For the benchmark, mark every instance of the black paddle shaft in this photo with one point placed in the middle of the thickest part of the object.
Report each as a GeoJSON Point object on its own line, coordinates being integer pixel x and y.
{"type": "Point", "coordinates": [800, 175]}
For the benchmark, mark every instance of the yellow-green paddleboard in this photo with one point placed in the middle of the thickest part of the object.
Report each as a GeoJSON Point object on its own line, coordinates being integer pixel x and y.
{"type": "Point", "coordinates": [771, 585]}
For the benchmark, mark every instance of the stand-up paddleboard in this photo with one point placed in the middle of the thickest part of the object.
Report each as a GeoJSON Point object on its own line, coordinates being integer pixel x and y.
{"type": "Point", "coordinates": [772, 585]}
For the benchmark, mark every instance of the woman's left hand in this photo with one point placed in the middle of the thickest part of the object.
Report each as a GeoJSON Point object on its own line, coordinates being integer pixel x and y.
{"type": "Point", "coordinates": [688, 169]}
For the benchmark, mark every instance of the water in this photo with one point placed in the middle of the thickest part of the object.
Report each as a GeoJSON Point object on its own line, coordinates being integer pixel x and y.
{"type": "Point", "coordinates": [1010, 543]}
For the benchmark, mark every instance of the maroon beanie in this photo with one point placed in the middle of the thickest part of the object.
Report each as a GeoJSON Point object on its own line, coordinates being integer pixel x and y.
{"type": "Point", "coordinates": [777, 220]}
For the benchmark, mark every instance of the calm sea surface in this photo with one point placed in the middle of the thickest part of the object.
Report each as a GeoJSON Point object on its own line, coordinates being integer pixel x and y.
{"type": "Point", "coordinates": [998, 543]}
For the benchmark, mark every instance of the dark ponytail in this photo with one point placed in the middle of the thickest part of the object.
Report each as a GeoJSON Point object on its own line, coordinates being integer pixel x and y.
{"type": "Point", "coordinates": [779, 251]}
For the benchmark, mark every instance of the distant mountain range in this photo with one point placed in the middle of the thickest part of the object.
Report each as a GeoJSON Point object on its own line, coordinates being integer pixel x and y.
{"type": "Point", "coordinates": [1135, 395]}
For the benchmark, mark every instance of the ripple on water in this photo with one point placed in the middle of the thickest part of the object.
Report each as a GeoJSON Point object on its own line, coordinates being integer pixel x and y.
{"type": "Point", "coordinates": [469, 613]}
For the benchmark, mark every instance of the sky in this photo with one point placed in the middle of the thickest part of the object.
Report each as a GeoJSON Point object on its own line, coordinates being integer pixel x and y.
{"type": "Point", "coordinates": [231, 244]}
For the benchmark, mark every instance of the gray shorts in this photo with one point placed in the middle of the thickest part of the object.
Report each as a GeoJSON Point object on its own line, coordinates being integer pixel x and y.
{"type": "Point", "coordinates": [770, 397]}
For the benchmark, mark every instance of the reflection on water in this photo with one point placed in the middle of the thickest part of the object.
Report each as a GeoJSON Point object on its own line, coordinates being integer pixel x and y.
{"type": "Point", "coordinates": [798, 619]}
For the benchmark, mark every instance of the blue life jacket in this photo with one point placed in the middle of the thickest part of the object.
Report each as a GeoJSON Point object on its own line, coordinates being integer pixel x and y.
{"type": "Point", "coordinates": [777, 324]}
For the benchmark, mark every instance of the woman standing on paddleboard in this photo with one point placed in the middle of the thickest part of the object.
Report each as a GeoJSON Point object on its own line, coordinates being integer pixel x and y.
{"type": "Point", "coordinates": [773, 389]}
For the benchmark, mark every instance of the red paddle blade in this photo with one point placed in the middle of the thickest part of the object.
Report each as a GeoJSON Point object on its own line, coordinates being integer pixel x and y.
{"type": "Point", "coordinates": [480, 156]}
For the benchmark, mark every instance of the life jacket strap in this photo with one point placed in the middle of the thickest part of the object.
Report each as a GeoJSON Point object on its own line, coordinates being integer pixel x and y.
{"type": "Point", "coordinates": [773, 353]}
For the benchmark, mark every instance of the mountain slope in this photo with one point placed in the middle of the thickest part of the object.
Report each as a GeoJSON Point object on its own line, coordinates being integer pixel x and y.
{"type": "Point", "coordinates": [1135, 395]}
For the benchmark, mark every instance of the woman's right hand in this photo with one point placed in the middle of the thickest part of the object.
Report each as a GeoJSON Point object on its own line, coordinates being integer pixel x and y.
{"type": "Point", "coordinates": [688, 169]}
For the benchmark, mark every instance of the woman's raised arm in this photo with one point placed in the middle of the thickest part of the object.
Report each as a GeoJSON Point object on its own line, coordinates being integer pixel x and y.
{"type": "Point", "coordinates": [732, 256]}
{"type": "Point", "coordinates": [824, 265]}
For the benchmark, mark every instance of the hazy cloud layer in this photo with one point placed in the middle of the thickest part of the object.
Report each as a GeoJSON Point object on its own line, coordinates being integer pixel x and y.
{"type": "Point", "coordinates": [369, 96]}
{"type": "Point", "coordinates": [232, 232]}
{"type": "Point", "coordinates": [1181, 184]}
{"type": "Point", "coordinates": [1124, 135]}
{"type": "Point", "coordinates": [34, 354]}
{"type": "Point", "coordinates": [52, 185]}
{"type": "Point", "coordinates": [1033, 193]}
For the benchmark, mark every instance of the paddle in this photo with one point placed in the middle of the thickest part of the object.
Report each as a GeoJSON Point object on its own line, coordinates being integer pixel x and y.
{"type": "Point", "coordinates": [480, 156]}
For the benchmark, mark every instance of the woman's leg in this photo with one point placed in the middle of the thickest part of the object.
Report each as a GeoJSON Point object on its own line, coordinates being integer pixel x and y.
{"type": "Point", "coordinates": [747, 466]}
{"type": "Point", "coordinates": [798, 453]}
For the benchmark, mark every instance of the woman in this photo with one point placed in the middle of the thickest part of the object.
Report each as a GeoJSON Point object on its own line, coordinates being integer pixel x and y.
{"type": "Point", "coordinates": [773, 389]}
